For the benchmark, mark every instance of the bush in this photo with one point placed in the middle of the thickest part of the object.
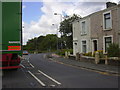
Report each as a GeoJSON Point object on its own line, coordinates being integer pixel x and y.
{"type": "Point", "coordinates": [93, 55]}
{"type": "Point", "coordinates": [88, 54]}
{"type": "Point", "coordinates": [100, 53]}
{"type": "Point", "coordinates": [113, 50]}
{"type": "Point", "coordinates": [62, 52]}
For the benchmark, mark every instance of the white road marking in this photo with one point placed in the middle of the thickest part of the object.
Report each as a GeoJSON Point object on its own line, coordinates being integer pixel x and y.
{"type": "Point", "coordinates": [50, 58]}
{"type": "Point", "coordinates": [37, 79]}
{"type": "Point", "coordinates": [52, 85]}
{"type": "Point", "coordinates": [49, 77]}
{"type": "Point", "coordinates": [22, 65]}
{"type": "Point", "coordinates": [31, 65]}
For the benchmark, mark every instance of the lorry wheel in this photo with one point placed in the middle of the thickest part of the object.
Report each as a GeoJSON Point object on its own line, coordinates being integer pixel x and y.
{"type": "Point", "coordinates": [15, 69]}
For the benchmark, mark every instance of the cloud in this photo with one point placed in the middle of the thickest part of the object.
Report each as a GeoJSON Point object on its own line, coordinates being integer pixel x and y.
{"type": "Point", "coordinates": [23, 6]}
{"type": "Point", "coordinates": [44, 25]}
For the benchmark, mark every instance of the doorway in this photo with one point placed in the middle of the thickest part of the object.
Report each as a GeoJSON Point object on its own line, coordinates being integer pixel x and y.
{"type": "Point", "coordinates": [95, 45]}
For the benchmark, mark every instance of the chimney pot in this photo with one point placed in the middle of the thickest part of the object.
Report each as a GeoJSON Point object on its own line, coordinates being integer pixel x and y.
{"type": "Point", "coordinates": [110, 4]}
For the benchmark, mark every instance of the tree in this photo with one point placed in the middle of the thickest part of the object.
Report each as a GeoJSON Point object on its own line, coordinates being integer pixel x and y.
{"type": "Point", "coordinates": [40, 39]}
{"type": "Point", "coordinates": [50, 42]}
{"type": "Point", "coordinates": [66, 31]}
{"type": "Point", "coordinates": [30, 44]}
{"type": "Point", "coordinates": [42, 43]}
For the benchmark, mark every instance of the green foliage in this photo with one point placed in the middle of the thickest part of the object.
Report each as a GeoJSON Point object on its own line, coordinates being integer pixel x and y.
{"type": "Point", "coordinates": [100, 53]}
{"type": "Point", "coordinates": [42, 43]}
{"type": "Point", "coordinates": [66, 30]}
{"type": "Point", "coordinates": [113, 50]}
{"type": "Point", "coordinates": [93, 55]}
{"type": "Point", "coordinates": [48, 43]}
{"type": "Point", "coordinates": [62, 51]}
{"type": "Point", "coordinates": [88, 54]}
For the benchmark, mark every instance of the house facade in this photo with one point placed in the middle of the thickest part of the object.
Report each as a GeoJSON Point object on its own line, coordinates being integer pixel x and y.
{"type": "Point", "coordinates": [81, 36]}
{"type": "Point", "coordinates": [105, 28]}
{"type": "Point", "coordinates": [119, 22]}
{"type": "Point", "coordinates": [76, 33]}
{"type": "Point", "coordinates": [97, 31]}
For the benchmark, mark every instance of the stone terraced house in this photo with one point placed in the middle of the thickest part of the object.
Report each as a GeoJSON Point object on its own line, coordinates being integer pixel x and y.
{"type": "Point", "coordinates": [97, 30]}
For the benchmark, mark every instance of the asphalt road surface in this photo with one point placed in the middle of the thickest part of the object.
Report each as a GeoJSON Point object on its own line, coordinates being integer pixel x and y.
{"type": "Point", "coordinates": [38, 71]}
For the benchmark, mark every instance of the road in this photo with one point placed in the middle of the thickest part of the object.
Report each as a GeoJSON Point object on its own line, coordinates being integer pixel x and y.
{"type": "Point", "coordinates": [40, 72]}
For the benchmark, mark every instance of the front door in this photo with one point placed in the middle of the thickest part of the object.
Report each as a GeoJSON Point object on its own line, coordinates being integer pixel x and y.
{"type": "Point", "coordinates": [95, 48]}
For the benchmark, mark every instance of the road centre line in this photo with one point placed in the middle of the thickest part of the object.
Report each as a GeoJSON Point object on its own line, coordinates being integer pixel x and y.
{"type": "Point", "coordinates": [22, 65]}
{"type": "Point", "coordinates": [49, 77]}
{"type": "Point", "coordinates": [37, 79]}
{"type": "Point", "coordinates": [31, 65]}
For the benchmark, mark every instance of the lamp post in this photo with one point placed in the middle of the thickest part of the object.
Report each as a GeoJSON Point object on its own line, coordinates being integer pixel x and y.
{"type": "Point", "coordinates": [56, 35]}
{"type": "Point", "coordinates": [59, 26]}
{"type": "Point", "coordinates": [60, 16]}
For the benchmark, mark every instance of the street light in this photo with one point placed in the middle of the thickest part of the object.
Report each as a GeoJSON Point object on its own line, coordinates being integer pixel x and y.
{"type": "Point", "coordinates": [59, 26]}
{"type": "Point", "coordinates": [56, 35]}
{"type": "Point", "coordinates": [60, 16]}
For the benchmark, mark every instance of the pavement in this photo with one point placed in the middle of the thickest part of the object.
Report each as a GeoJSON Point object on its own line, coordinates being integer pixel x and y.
{"type": "Point", "coordinates": [87, 65]}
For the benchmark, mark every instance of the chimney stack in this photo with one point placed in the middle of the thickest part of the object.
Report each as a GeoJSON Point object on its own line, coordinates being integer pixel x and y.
{"type": "Point", "coordinates": [110, 4]}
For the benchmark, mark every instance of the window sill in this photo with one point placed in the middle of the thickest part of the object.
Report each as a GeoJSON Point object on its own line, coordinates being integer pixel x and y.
{"type": "Point", "coordinates": [107, 29]}
{"type": "Point", "coordinates": [83, 34]}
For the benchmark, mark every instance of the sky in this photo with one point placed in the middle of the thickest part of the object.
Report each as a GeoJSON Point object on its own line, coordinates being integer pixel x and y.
{"type": "Point", "coordinates": [38, 17]}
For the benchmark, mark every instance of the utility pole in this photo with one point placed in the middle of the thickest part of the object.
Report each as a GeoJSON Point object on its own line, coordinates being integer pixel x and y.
{"type": "Point", "coordinates": [59, 26]}
{"type": "Point", "coordinates": [56, 35]}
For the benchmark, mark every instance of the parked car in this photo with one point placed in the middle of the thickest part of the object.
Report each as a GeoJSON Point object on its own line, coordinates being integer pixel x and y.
{"type": "Point", "coordinates": [25, 52]}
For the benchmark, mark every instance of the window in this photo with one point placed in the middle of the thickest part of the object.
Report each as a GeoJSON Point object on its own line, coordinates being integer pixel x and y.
{"type": "Point", "coordinates": [84, 47]}
{"type": "Point", "coordinates": [108, 41]}
{"type": "Point", "coordinates": [83, 31]}
{"type": "Point", "coordinates": [107, 21]}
